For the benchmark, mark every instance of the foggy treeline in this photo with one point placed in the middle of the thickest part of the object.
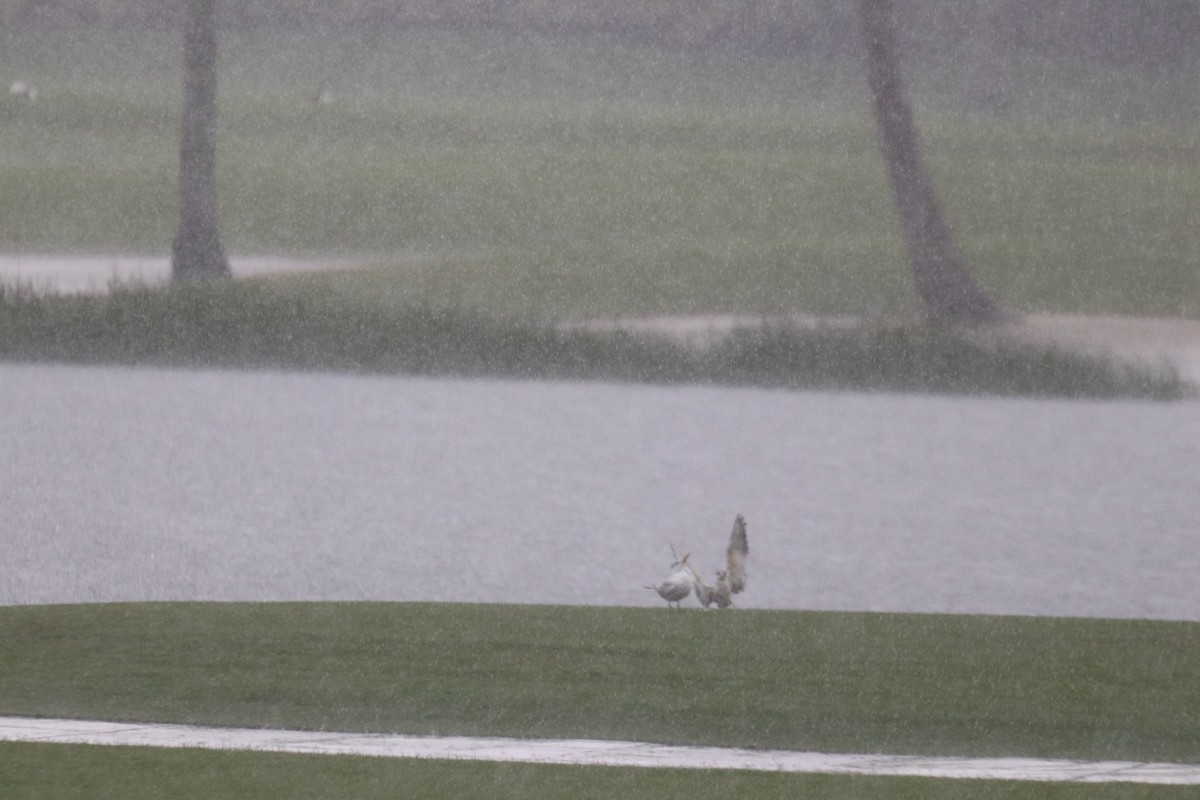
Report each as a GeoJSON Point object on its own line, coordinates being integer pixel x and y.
{"type": "Point", "coordinates": [1150, 33]}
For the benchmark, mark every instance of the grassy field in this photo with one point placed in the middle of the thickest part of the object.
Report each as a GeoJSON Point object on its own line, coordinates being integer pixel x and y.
{"type": "Point", "coordinates": [944, 685]}
{"type": "Point", "coordinates": [581, 177]}
{"type": "Point", "coordinates": [495, 176]}
{"type": "Point", "coordinates": [64, 772]}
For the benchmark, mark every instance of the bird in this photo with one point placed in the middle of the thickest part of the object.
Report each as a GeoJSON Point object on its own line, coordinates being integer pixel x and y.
{"type": "Point", "coordinates": [324, 97]}
{"type": "Point", "coordinates": [20, 90]}
{"type": "Point", "coordinates": [732, 579]}
{"type": "Point", "coordinates": [721, 594]}
{"type": "Point", "coordinates": [678, 584]}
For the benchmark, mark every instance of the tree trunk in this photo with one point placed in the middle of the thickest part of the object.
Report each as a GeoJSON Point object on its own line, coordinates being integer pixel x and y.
{"type": "Point", "coordinates": [949, 291]}
{"type": "Point", "coordinates": [196, 253]}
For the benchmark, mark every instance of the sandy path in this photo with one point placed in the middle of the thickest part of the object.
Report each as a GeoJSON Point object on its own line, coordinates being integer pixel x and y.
{"type": "Point", "coordinates": [86, 273]}
{"type": "Point", "coordinates": [1147, 340]}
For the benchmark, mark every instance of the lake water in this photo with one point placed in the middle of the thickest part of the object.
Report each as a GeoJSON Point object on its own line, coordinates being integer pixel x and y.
{"type": "Point", "coordinates": [123, 484]}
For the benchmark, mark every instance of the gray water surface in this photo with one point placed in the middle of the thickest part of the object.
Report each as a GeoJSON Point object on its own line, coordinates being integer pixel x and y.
{"type": "Point", "coordinates": [121, 484]}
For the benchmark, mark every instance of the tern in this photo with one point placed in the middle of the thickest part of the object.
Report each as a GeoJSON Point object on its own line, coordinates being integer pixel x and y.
{"type": "Point", "coordinates": [677, 585]}
{"type": "Point", "coordinates": [721, 594]}
{"type": "Point", "coordinates": [732, 579]}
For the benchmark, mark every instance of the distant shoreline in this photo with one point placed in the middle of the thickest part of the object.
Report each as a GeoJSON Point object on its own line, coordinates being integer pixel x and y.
{"type": "Point", "coordinates": [1145, 341]}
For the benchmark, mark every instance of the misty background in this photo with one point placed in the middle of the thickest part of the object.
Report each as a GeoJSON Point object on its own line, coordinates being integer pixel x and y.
{"type": "Point", "coordinates": [652, 164]}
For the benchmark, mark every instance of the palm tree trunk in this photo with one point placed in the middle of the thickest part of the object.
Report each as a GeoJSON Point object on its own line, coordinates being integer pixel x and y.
{"type": "Point", "coordinates": [196, 253]}
{"type": "Point", "coordinates": [949, 291]}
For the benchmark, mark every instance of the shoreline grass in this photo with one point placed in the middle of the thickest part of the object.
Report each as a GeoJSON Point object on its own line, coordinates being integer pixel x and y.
{"type": "Point", "coordinates": [264, 325]}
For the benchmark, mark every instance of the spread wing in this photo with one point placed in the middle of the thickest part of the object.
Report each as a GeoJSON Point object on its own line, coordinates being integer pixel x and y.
{"type": "Point", "coordinates": [736, 554]}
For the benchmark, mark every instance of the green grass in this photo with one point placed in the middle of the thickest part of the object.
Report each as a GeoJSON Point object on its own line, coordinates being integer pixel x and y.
{"type": "Point", "coordinates": [633, 179]}
{"type": "Point", "coordinates": [937, 685]}
{"type": "Point", "coordinates": [64, 772]}
{"type": "Point", "coordinates": [503, 183]}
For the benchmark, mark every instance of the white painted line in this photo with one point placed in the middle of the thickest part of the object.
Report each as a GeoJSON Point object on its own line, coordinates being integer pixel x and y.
{"type": "Point", "coordinates": [587, 752]}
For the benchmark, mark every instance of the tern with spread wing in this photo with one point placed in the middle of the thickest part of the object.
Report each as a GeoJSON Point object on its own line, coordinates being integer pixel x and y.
{"type": "Point", "coordinates": [732, 579]}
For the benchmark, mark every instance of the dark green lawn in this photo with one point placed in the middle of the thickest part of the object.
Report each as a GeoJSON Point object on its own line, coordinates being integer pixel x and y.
{"type": "Point", "coordinates": [939, 685]}
{"type": "Point", "coordinates": [65, 772]}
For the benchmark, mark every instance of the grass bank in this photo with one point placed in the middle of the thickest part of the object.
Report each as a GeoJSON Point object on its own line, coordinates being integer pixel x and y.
{"type": "Point", "coordinates": [65, 772]}
{"type": "Point", "coordinates": [835, 682]}
{"type": "Point", "coordinates": [939, 685]}
{"type": "Point", "coordinates": [285, 325]}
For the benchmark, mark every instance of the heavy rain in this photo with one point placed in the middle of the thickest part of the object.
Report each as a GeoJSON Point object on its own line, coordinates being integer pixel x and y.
{"type": "Point", "coordinates": [519, 305]}
{"type": "Point", "coordinates": [686, 175]}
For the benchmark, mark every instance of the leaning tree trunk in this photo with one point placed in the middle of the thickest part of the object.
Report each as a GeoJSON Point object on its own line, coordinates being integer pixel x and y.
{"type": "Point", "coordinates": [949, 291]}
{"type": "Point", "coordinates": [196, 253]}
